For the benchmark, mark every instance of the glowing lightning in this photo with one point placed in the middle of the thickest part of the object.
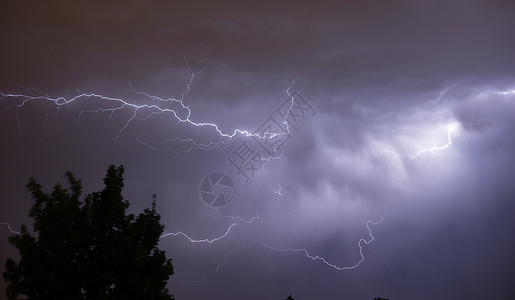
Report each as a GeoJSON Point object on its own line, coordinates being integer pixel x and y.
{"type": "Point", "coordinates": [507, 93]}
{"type": "Point", "coordinates": [155, 107]}
{"type": "Point", "coordinates": [218, 266]}
{"type": "Point", "coordinates": [10, 228]}
{"type": "Point", "coordinates": [319, 258]}
{"type": "Point", "coordinates": [431, 149]}
{"type": "Point", "coordinates": [121, 104]}
{"type": "Point", "coordinates": [279, 191]}
{"type": "Point", "coordinates": [291, 250]}
{"type": "Point", "coordinates": [207, 240]}
{"type": "Point", "coordinates": [220, 145]}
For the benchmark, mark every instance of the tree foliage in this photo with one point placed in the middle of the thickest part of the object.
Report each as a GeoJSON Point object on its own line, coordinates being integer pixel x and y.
{"type": "Point", "coordinates": [88, 249]}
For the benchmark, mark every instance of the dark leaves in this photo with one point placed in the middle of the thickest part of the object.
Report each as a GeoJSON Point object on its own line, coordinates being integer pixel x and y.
{"type": "Point", "coordinates": [89, 250]}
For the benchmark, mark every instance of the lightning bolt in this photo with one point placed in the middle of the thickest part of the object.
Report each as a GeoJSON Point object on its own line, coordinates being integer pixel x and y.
{"type": "Point", "coordinates": [182, 114]}
{"type": "Point", "coordinates": [220, 145]}
{"type": "Point", "coordinates": [10, 228]}
{"type": "Point", "coordinates": [238, 220]}
{"type": "Point", "coordinates": [218, 266]}
{"type": "Point", "coordinates": [121, 104]}
{"type": "Point", "coordinates": [279, 191]}
{"type": "Point", "coordinates": [432, 149]}
{"type": "Point", "coordinates": [153, 106]}
{"type": "Point", "coordinates": [361, 242]}
{"type": "Point", "coordinates": [176, 108]}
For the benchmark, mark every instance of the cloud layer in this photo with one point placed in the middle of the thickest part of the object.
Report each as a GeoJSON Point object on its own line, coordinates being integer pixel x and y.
{"type": "Point", "coordinates": [386, 78]}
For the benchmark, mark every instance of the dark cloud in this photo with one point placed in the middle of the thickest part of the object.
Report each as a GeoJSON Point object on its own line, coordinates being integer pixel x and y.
{"type": "Point", "coordinates": [384, 77]}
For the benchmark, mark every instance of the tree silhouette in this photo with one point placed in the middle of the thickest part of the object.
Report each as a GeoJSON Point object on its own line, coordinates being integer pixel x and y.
{"type": "Point", "coordinates": [290, 298]}
{"type": "Point", "coordinates": [90, 249]}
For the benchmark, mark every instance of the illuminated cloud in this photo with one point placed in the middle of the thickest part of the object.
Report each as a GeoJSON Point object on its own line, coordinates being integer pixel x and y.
{"type": "Point", "coordinates": [415, 113]}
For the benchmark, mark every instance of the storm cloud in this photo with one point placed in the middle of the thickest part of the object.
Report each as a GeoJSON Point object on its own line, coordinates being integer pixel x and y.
{"type": "Point", "coordinates": [384, 79]}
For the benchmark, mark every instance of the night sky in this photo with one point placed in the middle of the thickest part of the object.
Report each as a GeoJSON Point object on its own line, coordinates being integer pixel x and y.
{"type": "Point", "coordinates": [398, 137]}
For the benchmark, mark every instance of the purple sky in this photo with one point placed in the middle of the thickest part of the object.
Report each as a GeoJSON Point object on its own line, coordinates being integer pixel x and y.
{"type": "Point", "coordinates": [386, 80]}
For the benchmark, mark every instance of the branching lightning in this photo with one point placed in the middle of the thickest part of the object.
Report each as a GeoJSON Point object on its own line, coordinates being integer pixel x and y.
{"type": "Point", "coordinates": [361, 242]}
{"type": "Point", "coordinates": [209, 241]}
{"type": "Point", "coordinates": [122, 104]}
{"type": "Point", "coordinates": [323, 260]}
{"type": "Point", "coordinates": [280, 190]}
{"type": "Point", "coordinates": [183, 114]}
{"type": "Point", "coordinates": [156, 106]}
{"type": "Point", "coordinates": [218, 266]}
{"type": "Point", "coordinates": [220, 145]}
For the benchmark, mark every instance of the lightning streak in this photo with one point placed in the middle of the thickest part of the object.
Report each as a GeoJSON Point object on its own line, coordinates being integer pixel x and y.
{"type": "Point", "coordinates": [122, 104]}
{"type": "Point", "coordinates": [218, 266]}
{"type": "Point", "coordinates": [10, 228]}
{"type": "Point", "coordinates": [210, 241]}
{"type": "Point", "coordinates": [323, 260]}
{"type": "Point", "coordinates": [156, 106]}
{"type": "Point", "coordinates": [432, 149]}
{"type": "Point", "coordinates": [291, 250]}
{"type": "Point", "coordinates": [236, 218]}
{"type": "Point", "coordinates": [279, 191]}
{"type": "Point", "coordinates": [220, 145]}
{"type": "Point", "coordinates": [206, 240]}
